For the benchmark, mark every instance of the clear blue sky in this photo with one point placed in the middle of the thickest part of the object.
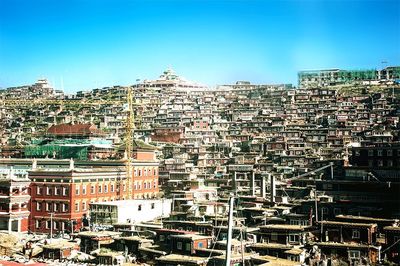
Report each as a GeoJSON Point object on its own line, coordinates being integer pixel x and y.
{"type": "Point", "coordinates": [100, 43]}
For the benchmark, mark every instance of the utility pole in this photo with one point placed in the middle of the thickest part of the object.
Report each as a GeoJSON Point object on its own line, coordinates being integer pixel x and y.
{"type": "Point", "coordinates": [230, 227]}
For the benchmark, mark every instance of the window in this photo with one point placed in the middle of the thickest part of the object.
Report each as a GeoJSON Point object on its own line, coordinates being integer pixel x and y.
{"type": "Point", "coordinates": [145, 172]}
{"type": "Point", "coordinates": [65, 207]}
{"type": "Point", "coordinates": [188, 246]}
{"type": "Point", "coordinates": [37, 224]}
{"type": "Point", "coordinates": [84, 190]}
{"type": "Point", "coordinates": [293, 238]}
{"type": "Point", "coordinates": [152, 205]}
{"type": "Point", "coordinates": [56, 207]}
{"type": "Point", "coordinates": [48, 190]}
{"type": "Point", "coordinates": [84, 206]}
{"type": "Point", "coordinates": [105, 188]}
{"type": "Point", "coordinates": [48, 206]}
{"type": "Point", "coordinates": [145, 185]}
{"type": "Point", "coordinates": [57, 190]}
{"type": "Point", "coordinates": [389, 152]}
{"type": "Point", "coordinates": [274, 236]}
{"type": "Point", "coordinates": [139, 207]}
{"type": "Point", "coordinates": [179, 245]}
{"type": "Point", "coordinates": [100, 188]}
{"type": "Point", "coordinates": [48, 224]}
{"type": "Point", "coordinates": [140, 172]}
{"type": "Point", "coordinates": [112, 188]}
{"type": "Point", "coordinates": [77, 206]}
{"type": "Point", "coordinates": [38, 206]}
{"type": "Point", "coordinates": [155, 183]}
{"type": "Point", "coordinates": [162, 237]}
{"type": "Point", "coordinates": [92, 189]}
{"type": "Point", "coordinates": [370, 152]}
{"type": "Point", "coordinates": [380, 152]}
{"type": "Point", "coordinates": [39, 190]}
{"type": "Point", "coordinates": [356, 233]}
{"type": "Point", "coordinates": [77, 189]}
{"type": "Point", "coordinates": [55, 225]}
{"type": "Point", "coordinates": [65, 191]}
{"type": "Point", "coordinates": [354, 254]}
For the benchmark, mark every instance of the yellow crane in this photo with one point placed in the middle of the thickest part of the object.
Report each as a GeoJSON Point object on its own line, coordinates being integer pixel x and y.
{"type": "Point", "coordinates": [129, 129]}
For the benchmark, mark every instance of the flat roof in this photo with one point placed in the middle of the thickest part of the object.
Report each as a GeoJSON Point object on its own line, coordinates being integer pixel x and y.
{"type": "Point", "coordinates": [182, 258]}
{"type": "Point", "coordinates": [348, 224]}
{"type": "Point", "coordinates": [284, 227]}
{"type": "Point", "coordinates": [128, 202]}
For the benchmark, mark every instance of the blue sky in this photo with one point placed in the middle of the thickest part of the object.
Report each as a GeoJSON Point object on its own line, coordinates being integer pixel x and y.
{"type": "Point", "coordinates": [90, 44]}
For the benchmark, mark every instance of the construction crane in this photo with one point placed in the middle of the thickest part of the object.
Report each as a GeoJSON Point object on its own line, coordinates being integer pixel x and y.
{"type": "Point", "coordinates": [129, 129]}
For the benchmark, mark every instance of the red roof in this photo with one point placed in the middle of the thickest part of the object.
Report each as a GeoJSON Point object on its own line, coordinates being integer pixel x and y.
{"type": "Point", "coordinates": [73, 129]}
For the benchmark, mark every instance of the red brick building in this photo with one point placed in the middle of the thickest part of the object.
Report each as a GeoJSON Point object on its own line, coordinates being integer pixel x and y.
{"type": "Point", "coordinates": [64, 194]}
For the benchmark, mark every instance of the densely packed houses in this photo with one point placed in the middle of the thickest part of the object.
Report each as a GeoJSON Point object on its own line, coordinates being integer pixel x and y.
{"type": "Point", "coordinates": [314, 171]}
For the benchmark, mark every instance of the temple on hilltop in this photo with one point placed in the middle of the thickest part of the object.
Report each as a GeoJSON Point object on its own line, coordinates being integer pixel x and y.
{"type": "Point", "coordinates": [169, 79]}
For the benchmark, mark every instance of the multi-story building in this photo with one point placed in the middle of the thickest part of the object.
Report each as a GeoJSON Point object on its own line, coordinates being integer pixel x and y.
{"type": "Point", "coordinates": [326, 77]}
{"type": "Point", "coordinates": [14, 200]}
{"type": "Point", "coordinates": [61, 197]}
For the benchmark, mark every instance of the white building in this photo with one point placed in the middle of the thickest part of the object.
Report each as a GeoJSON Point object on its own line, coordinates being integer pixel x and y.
{"type": "Point", "coordinates": [129, 211]}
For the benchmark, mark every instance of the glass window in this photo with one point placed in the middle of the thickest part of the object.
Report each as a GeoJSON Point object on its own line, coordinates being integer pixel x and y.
{"type": "Point", "coordinates": [77, 206]}
{"type": "Point", "coordinates": [100, 188]}
{"type": "Point", "coordinates": [293, 238]}
{"type": "Point", "coordinates": [65, 191]}
{"type": "Point", "coordinates": [77, 189]}
{"type": "Point", "coordinates": [39, 190]}
{"type": "Point", "coordinates": [92, 189]}
{"type": "Point", "coordinates": [38, 206]}
{"type": "Point", "coordinates": [105, 188]}
{"type": "Point", "coordinates": [179, 245]}
{"type": "Point", "coordinates": [84, 190]}
{"type": "Point", "coordinates": [356, 234]}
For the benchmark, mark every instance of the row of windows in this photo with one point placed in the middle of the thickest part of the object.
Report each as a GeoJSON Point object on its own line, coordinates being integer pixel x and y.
{"type": "Point", "coordinates": [60, 207]}
{"type": "Point", "coordinates": [378, 152]}
{"type": "Point", "coordinates": [57, 191]}
{"type": "Point", "coordinates": [145, 172]}
{"type": "Point", "coordinates": [100, 189]}
{"type": "Point", "coordinates": [56, 225]}
{"type": "Point", "coordinates": [52, 206]}
{"type": "Point", "coordinates": [146, 185]}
